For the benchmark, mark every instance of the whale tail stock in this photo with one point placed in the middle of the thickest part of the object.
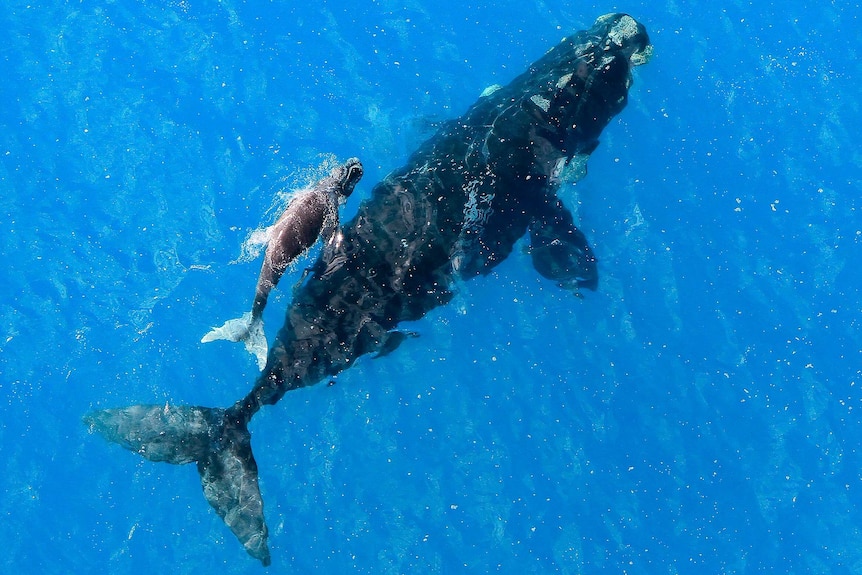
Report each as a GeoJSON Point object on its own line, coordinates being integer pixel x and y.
{"type": "Point", "coordinates": [216, 439]}
{"type": "Point", "coordinates": [247, 329]}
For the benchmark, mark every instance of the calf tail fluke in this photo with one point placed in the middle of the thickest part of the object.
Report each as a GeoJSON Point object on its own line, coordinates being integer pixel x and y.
{"type": "Point", "coordinates": [247, 329]}
{"type": "Point", "coordinates": [218, 442]}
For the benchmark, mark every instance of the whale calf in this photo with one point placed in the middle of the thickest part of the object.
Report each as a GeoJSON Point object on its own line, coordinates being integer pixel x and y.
{"type": "Point", "coordinates": [311, 214]}
{"type": "Point", "coordinates": [453, 212]}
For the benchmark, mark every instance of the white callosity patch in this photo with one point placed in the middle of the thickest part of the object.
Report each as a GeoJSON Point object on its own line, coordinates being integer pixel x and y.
{"type": "Point", "coordinates": [490, 90]}
{"type": "Point", "coordinates": [642, 57]}
{"type": "Point", "coordinates": [625, 29]}
{"type": "Point", "coordinates": [541, 102]}
{"type": "Point", "coordinates": [622, 33]}
{"type": "Point", "coordinates": [570, 171]}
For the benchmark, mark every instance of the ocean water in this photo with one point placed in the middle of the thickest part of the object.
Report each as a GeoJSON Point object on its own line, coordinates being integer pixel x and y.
{"type": "Point", "coordinates": [699, 413]}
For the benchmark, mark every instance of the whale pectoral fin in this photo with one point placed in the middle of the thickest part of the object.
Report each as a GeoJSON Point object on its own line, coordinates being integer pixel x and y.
{"type": "Point", "coordinates": [391, 341]}
{"type": "Point", "coordinates": [219, 443]}
{"type": "Point", "coordinates": [560, 250]}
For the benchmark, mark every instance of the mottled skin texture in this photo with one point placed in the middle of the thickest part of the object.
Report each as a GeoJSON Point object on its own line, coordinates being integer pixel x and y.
{"type": "Point", "coordinates": [453, 212]}
{"type": "Point", "coordinates": [411, 241]}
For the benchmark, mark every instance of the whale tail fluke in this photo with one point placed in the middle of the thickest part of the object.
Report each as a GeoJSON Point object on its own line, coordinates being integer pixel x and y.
{"type": "Point", "coordinates": [219, 443]}
{"type": "Point", "coordinates": [247, 329]}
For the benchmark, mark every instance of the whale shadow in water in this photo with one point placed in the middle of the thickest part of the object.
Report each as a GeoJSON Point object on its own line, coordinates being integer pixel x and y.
{"type": "Point", "coordinates": [452, 213]}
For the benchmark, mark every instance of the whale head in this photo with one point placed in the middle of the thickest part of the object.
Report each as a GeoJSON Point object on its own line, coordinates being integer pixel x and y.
{"type": "Point", "coordinates": [583, 82]}
{"type": "Point", "coordinates": [346, 176]}
{"type": "Point", "coordinates": [622, 33]}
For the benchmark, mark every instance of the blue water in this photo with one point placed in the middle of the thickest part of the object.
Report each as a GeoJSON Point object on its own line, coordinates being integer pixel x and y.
{"type": "Point", "coordinates": [700, 413]}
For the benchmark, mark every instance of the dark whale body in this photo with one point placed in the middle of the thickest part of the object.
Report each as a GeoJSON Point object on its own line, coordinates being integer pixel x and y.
{"type": "Point", "coordinates": [453, 212]}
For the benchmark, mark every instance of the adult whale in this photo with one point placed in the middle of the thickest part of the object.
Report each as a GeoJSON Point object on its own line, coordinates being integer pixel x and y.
{"type": "Point", "coordinates": [453, 212]}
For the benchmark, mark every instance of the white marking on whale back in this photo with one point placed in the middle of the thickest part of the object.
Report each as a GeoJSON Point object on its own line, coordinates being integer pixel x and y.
{"type": "Point", "coordinates": [490, 90]}
{"type": "Point", "coordinates": [541, 102]}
